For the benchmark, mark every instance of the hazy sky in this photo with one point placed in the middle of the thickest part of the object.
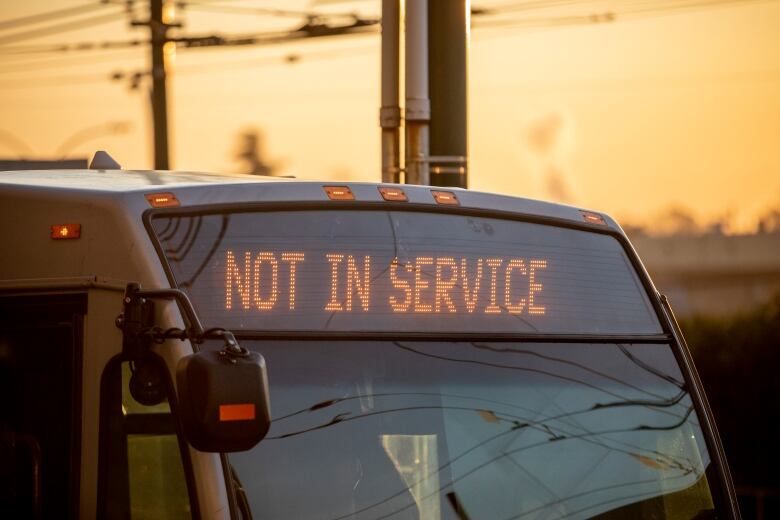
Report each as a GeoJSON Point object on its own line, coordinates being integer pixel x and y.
{"type": "Point", "coordinates": [661, 107]}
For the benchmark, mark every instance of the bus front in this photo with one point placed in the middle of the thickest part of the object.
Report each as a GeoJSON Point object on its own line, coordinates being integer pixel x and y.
{"type": "Point", "coordinates": [441, 362]}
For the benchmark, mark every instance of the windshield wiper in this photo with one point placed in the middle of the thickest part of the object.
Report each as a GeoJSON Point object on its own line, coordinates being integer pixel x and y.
{"type": "Point", "coordinates": [241, 498]}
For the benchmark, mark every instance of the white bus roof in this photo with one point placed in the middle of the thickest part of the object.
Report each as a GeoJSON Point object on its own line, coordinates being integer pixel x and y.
{"type": "Point", "coordinates": [198, 188]}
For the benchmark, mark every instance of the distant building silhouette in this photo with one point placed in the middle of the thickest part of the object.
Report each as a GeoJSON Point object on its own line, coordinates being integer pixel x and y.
{"type": "Point", "coordinates": [33, 164]}
{"type": "Point", "coordinates": [713, 273]}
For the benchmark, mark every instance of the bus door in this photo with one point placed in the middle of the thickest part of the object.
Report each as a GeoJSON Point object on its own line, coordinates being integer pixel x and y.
{"type": "Point", "coordinates": [41, 347]}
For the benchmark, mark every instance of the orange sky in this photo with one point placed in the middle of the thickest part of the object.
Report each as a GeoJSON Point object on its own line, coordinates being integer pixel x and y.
{"type": "Point", "coordinates": [671, 108]}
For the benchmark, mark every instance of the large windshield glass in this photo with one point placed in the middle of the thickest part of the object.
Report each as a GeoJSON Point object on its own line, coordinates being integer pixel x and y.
{"type": "Point", "coordinates": [401, 271]}
{"type": "Point", "coordinates": [499, 430]}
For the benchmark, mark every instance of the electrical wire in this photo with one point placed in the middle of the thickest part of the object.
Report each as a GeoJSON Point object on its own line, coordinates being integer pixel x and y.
{"type": "Point", "coordinates": [49, 15]}
{"type": "Point", "coordinates": [261, 11]}
{"type": "Point", "coordinates": [289, 59]}
{"type": "Point", "coordinates": [48, 63]}
{"type": "Point", "coordinates": [57, 48]}
{"type": "Point", "coordinates": [645, 9]}
{"type": "Point", "coordinates": [53, 81]}
{"type": "Point", "coordinates": [60, 28]}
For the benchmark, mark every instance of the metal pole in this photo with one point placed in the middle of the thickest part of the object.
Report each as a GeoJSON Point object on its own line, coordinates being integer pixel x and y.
{"type": "Point", "coordinates": [418, 105]}
{"type": "Point", "coordinates": [448, 53]}
{"type": "Point", "coordinates": [390, 113]}
{"type": "Point", "coordinates": [159, 29]}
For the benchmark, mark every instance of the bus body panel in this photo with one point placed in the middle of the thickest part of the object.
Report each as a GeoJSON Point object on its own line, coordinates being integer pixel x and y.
{"type": "Point", "coordinates": [115, 248]}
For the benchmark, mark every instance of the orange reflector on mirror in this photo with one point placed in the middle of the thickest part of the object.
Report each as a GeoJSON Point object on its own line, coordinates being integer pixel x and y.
{"type": "Point", "coordinates": [396, 194]}
{"type": "Point", "coordinates": [236, 412]}
{"type": "Point", "coordinates": [445, 197]}
{"type": "Point", "coordinates": [339, 192]}
{"type": "Point", "coordinates": [60, 231]}
{"type": "Point", "coordinates": [162, 200]}
{"type": "Point", "coordinates": [593, 218]}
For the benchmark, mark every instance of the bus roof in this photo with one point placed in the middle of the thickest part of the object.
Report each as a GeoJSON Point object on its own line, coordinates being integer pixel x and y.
{"type": "Point", "coordinates": [199, 188]}
{"type": "Point", "coordinates": [121, 180]}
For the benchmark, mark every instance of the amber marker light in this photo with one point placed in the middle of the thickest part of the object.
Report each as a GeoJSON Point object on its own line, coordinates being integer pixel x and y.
{"type": "Point", "coordinates": [395, 194]}
{"type": "Point", "coordinates": [339, 192]}
{"type": "Point", "coordinates": [162, 200]}
{"type": "Point", "coordinates": [236, 412]}
{"type": "Point", "coordinates": [63, 231]}
{"type": "Point", "coordinates": [445, 197]}
{"type": "Point", "coordinates": [593, 218]}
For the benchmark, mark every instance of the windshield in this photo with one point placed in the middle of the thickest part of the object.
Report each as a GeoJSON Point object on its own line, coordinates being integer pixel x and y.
{"type": "Point", "coordinates": [458, 430]}
{"type": "Point", "coordinates": [385, 271]}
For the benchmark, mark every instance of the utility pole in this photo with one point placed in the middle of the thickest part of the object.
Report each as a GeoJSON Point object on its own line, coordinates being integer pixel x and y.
{"type": "Point", "coordinates": [158, 28]}
{"type": "Point", "coordinates": [418, 105]}
{"type": "Point", "coordinates": [159, 92]}
{"type": "Point", "coordinates": [436, 67]}
{"type": "Point", "coordinates": [448, 33]}
{"type": "Point", "coordinates": [159, 96]}
{"type": "Point", "coordinates": [390, 112]}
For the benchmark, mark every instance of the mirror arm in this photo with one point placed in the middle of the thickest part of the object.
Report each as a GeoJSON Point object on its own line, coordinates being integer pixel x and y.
{"type": "Point", "coordinates": [139, 332]}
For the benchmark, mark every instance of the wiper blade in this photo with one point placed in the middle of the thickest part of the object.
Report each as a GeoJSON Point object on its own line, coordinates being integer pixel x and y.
{"type": "Point", "coordinates": [241, 498]}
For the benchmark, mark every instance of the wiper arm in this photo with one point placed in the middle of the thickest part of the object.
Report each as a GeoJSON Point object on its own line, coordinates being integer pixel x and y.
{"type": "Point", "coordinates": [241, 498]}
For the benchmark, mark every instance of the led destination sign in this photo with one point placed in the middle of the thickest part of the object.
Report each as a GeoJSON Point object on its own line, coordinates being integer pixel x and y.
{"type": "Point", "coordinates": [391, 271]}
{"type": "Point", "coordinates": [423, 284]}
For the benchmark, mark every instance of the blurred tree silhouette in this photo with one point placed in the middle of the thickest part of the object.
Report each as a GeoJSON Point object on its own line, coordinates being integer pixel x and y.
{"type": "Point", "coordinates": [251, 153]}
{"type": "Point", "coordinates": [738, 360]}
{"type": "Point", "coordinates": [770, 222]}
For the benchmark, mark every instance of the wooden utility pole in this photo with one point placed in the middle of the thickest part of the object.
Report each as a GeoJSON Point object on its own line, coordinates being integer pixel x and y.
{"type": "Point", "coordinates": [158, 29]}
{"type": "Point", "coordinates": [159, 88]}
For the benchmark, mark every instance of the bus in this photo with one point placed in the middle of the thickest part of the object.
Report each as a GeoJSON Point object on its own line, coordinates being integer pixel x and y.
{"type": "Point", "coordinates": [192, 345]}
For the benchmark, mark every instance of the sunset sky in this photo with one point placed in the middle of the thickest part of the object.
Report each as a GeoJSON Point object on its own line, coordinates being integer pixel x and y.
{"type": "Point", "coordinates": [662, 107]}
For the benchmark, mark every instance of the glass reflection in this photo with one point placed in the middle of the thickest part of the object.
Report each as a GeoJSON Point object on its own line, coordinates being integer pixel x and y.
{"type": "Point", "coordinates": [433, 430]}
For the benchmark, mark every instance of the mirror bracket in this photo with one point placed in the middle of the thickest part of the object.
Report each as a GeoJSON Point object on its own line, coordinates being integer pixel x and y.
{"type": "Point", "coordinates": [139, 333]}
{"type": "Point", "coordinates": [223, 403]}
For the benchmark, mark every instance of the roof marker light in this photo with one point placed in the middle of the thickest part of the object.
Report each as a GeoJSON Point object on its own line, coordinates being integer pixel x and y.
{"type": "Point", "coordinates": [62, 231]}
{"type": "Point", "coordinates": [396, 194]}
{"type": "Point", "coordinates": [339, 192]}
{"type": "Point", "coordinates": [162, 200]}
{"type": "Point", "coordinates": [445, 197]}
{"type": "Point", "coordinates": [593, 218]}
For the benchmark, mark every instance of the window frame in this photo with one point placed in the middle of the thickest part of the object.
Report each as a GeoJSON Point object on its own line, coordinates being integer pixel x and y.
{"type": "Point", "coordinates": [113, 438]}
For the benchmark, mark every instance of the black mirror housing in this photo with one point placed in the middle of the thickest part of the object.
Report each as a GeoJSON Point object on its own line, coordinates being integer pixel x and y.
{"type": "Point", "coordinates": [223, 401]}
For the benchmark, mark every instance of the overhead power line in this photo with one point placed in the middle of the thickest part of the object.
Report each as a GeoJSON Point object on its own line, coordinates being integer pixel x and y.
{"type": "Point", "coordinates": [644, 8]}
{"type": "Point", "coordinates": [60, 28]}
{"type": "Point", "coordinates": [49, 15]}
{"type": "Point", "coordinates": [238, 9]}
{"type": "Point", "coordinates": [622, 6]}
{"type": "Point", "coordinates": [56, 48]}
{"type": "Point", "coordinates": [291, 58]}
{"type": "Point", "coordinates": [625, 10]}
{"type": "Point", "coordinates": [550, 21]}
{"type": "Point", "coordinates": [60, 62]}
{"type": "Point", "coordinates": [308, 30]}
{"type": "Point", "coordinates": [53, 81]}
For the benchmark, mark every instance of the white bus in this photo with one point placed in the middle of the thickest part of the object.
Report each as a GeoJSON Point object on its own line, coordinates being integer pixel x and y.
{"type": "Point", "coordinates": [189, 345]}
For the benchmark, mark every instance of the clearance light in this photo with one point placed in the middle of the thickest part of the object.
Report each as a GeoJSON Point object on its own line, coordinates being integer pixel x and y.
{"type": "Point", "coordinates": [445, 197]}
{"type": "Point", "coordinates": [61, 231]}
{"type": "Point", "coordinates": [593, 218]}
{"type": "Point", "coordinates": [236, 412]}
{"type": "Point", "coordinates": [396, 194]}
{"type": "Point", "coordinates": [162, 200]}
{"type": "Point", "coordinates": [339, 192]}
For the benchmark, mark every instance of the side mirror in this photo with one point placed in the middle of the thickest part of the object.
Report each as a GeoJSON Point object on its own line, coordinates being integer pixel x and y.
{"type": "Point", "coordinates": [223, 399]}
